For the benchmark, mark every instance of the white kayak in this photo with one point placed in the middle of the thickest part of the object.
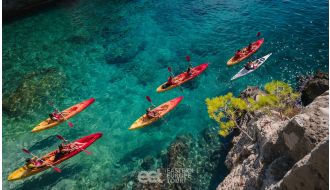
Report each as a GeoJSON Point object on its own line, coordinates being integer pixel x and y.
{"type": "Point", "coordinates": [257, 63]}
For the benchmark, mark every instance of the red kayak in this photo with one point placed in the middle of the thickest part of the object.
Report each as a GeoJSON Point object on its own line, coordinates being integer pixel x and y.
{"type": "Point", "coordinates": [183, 77]}
{"type": "Point", "coordinates": [74, 147]}
{"type": "Point", "coordinates": [245, 53]}
{"type": "Point", "coordinates": [67, 114]}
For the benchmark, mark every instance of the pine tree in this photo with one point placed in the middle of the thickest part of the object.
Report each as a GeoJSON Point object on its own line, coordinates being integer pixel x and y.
{"type": "Point", "coordinates": [227, 110]}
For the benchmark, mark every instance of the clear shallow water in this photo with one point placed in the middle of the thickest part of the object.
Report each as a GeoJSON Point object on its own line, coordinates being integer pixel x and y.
{"type": "Point", "coordinates": [118, 52]}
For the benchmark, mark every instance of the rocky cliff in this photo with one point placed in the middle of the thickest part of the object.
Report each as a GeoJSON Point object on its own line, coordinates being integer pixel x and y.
{"type": "Point", "coordinates": [285, 154]}
{"type": "Point", "coordinates": [313, 86]}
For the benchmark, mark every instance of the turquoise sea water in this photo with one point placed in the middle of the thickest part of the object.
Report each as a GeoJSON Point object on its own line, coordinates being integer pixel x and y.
{"type": "Point", "coordinates": [118, 52]}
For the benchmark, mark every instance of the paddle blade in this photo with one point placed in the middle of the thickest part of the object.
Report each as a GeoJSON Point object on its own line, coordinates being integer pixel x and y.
{"type": "Point", "coordinates": [258, 34]}
{"type": "Point", "coordinates": [57, 169]}
{"type": "Point", "coordinates": [148, 98]}
{"type": "Point", "coordinates": [188, 58]}
{"type": "Point", "coordinates": [169, 69]}
{"type": "Point", "coordinates": [26, 151]}
{"type": "Point", "coordinates": [70, 124]}
{"type": "Point", "coordinates": [60, 137]}
{"type": "Point", "coordinates": [87, 152]}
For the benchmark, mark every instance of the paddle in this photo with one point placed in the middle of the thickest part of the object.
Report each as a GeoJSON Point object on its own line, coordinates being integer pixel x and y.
{"type": "Point", "coordinates": [63, 139]}
{"type": "Point", "coordinates": [258, 34]}
{"type": "Point", "coordinates": [170, 70]}
{"type": "Point", "coordinates": [69, 123]}
{"type": "Point", "coordinates": [149, 100]}
{"type": "Point", "coordinates": [55, 168]}
{"type": "Point", "coordinates": [188, 59]}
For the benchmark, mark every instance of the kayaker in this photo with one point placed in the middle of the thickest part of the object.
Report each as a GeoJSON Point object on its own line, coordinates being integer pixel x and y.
{"type": "Point", "coordinates": [237, 54]}
{"type": "Point", "coordinates": [29, 163]}
{"type": "Point", "coordinates": [249, 47]}
{"type": "Point", "coordinates": [32, 163]}
{"type": "Point", "coordinates": [55, 116]}
{"type": "Point", "coordinates": [250, 66]}
{"type": "Point", "coordinates": [60, 152]}
{"type": "Point", "coordinates": [150, 113]}
{"type": "Point", "coordinates": [169, 82]}
{"type": "Point", "coordinates": [189, 70]}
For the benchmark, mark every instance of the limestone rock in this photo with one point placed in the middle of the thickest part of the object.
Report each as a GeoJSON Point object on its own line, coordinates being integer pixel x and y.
{"type": "Point", "coordinates": [279, 153]}
{"type": "Point", "coordinates": [314, 87]}
{"type": "Point", "coordinates": [311, 172]}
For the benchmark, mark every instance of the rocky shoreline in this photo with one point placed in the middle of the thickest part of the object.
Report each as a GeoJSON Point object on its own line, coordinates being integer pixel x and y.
{"type": "Point", "coordinates": [285, 153]}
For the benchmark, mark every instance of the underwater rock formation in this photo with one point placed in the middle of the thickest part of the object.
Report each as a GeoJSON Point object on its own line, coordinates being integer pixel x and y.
{"type": "Point", "coordinates": [123, 54]}
{"type": "Point", "coordinates": [282, 151]}
{"type": "Point", "coordinates": [33, 91]}
{"type": "Point", "coordinates": [202, 157]}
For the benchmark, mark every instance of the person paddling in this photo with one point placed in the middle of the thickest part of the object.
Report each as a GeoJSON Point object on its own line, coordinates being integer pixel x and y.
{"type": "Point", "coordinates": [61, 152]}
{"type": "Point", "coordinates": [29, 163]}
{"type": "Point", "coordinates": [249, 47]}
{"type": "Point", "coordinates": [250, 66]}
{"type": "Point", "coordinates": [237, 54]}
{"type": "Point", "coordinates": [168, 83]}
{"type": "Point", "coordinates": [189, 70]}
{"type": "Point", "coordinates": [189, 66]}
{"type": "Point", "coordinates": [55, 115]}
{"type": "Point", "coordinates": [150, 113]}
{"type": "Point", "coordinates": [32, 163]}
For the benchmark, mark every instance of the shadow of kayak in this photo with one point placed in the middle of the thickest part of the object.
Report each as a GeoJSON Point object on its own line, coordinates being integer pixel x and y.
{"type": "Point", "coordinates": [49, 178]}
{"type": "Point", "coordinates": [44, 143]}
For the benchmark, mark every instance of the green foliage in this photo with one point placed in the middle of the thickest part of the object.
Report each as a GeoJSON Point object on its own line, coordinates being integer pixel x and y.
{"type": "Point", "coordinates": [281, 90]}
{"type": "Point", "coordinates": [267, 100]}
{"type": "Point", "coordinates": [225, 110]}
{"type": "Point", "coordinates": [226, 127]}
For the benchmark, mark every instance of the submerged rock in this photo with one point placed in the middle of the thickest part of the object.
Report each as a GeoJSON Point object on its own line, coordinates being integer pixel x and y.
{"type": "Point", "coordinates": [200, 159]}
{"type": "Point", "coordinates": [147, 162]}
{"type": "Point", "coordinates": [280, 150]}
{"type": "Point", "coordinates": [78, 39]}
{"type": "Point", "coordinates": [178, 152]}
{"type": "Point", "coordinates": [123, 53]}
{"type": "Point", "coordinates": [33, 91]}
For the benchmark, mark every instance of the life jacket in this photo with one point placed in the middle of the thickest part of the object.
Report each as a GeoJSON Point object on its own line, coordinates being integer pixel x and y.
{"type": "Point", "coordinates": [169, 81]}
